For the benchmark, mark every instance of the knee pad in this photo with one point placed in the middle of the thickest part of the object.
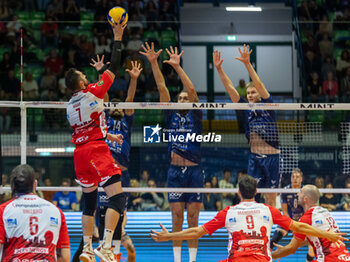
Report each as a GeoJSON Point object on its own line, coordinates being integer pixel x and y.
{"type": "Point", "coordinates": [117, 203]}
{"type": "Point", "coordinates": [309, 258]}
{"type": "Point", "coordinates": [90, 203]}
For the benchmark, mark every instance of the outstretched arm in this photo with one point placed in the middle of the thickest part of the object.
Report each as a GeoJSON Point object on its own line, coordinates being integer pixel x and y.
{"type": "Point", "coordinates": [174, 61]}
{"type": "Point", "coordinates": [245, 59]}
{"type": "Point", "coordinates": [232, 92]}
{"type": "Point", "coordinates": [289, 249]}
{"type": "Point", "coordinates": [190, 233]}
{"type": "Point", "coordinates": [134, 75]}
{"type": "Point", "coordinates": [152, 57]}
{"type": "Point", "coordinates": [306, 229]}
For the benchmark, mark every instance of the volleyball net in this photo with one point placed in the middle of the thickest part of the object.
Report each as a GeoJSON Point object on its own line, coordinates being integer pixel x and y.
{"type": "Point", "coordinates": [312, 137]}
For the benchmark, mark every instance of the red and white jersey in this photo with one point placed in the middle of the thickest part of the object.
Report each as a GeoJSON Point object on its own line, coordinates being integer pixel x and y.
{"type": "Point", "coordinates": [325, 250]}
{"type": "Point", "coordinates": [249, 227]}
{"type": "Point", "coordinates": [85, 111]}
{"type": "Point", "coordinates": [31, 229]}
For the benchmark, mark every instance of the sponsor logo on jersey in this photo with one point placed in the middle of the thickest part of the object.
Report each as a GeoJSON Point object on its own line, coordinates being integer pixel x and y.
{"type": "Point", "coordinates": [266, 219]}
{"type": "Point", "coordinates": [100, 83]}
{"type": "Point", "coordinates": [319, 222]}
{"type": "Point", "coordinates": [54, 221]}
{"type": "Point", "coordinates": [11, 222]}
{"type": "Point", "coordinates": [232, 220]}
{"type": "Point", "coordinates": [344, 257]}
{"type": "Point", "coordinates": [82, 139]}
{"type": "Point", "coordinates": [93, 103]}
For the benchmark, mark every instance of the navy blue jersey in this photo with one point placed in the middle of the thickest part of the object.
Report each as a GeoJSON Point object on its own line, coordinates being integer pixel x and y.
{"type": "Point", "coordinates": [263, 123]}
{"type": "Point", "coordinates": [120, 152]}
{"type": "Point", "coordinates": [184, 125]}
{"type": "Point", "coordinates": [295, 211]}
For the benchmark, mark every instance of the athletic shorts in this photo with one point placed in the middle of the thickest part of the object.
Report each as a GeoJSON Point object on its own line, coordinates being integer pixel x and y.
{"type": "Point", "coordinates": [265, 169]}
{"type": "Point", "coordinates": [185, 176]}
{"type": "Point", "coordinates": [94, 164]}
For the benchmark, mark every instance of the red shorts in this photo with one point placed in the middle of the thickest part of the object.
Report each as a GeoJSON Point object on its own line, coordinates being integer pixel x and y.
{"type": "Point", "coordinates": [94, 164]}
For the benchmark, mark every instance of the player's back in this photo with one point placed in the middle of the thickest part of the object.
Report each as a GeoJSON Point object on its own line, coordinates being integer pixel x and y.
{"type": "Point", "coordinates": [249, 225]}
{"type": "Point", "coordinates": [32, 228]}
{"type": "Point", "coordinates": [325, 250]}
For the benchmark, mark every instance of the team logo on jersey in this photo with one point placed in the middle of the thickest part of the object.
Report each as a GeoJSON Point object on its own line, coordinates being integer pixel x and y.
{"type": "Point", "coordinates": [151, 134]}
{"type": "Point", "coordinates": [100, 83]}
{"type": "Point", "coordinates": [266, 219]}
{"type": "Point", "coordinates": [319, 222]}
{"type": "Point", "coordinates": [232, 220]}
{"type": "Point", "coordinates": [11, 222]}
{"type": "Point", "coordinates": [54, 221]}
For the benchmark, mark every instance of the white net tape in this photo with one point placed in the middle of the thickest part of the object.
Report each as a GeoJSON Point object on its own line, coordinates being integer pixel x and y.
{"type": "Point", "coordinates": [188, 106]}
{"type": "Point", "coordinates": [192, 190]}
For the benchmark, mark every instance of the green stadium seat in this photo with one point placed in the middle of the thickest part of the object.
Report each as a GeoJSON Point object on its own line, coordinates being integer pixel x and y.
{"type": "Point", "coordinates": [37, 19]}
{"type": "Point", "coordinates": [37, 72]}
{"type": "Point", "coordinates": [23, 17]}
{"type": "Point", "coordinates": [337, 53]}
{"type": "Point", "coordinates": [168, 38]}
{"type": "Point", "coordinates": [340, 35]}
{"type": "Point", "coordinates": [37, 35]}
{"type": "Point", "coordinates": [331, 16]}
{"type": "Point", "coordinates": [36, 115]}
{"type": "Point", "coordinates": [150, 35]}
{"type": "Point", "coordinates": [316, 116]}
{"type": "Point", "coordinates": [86, 24]}
{"type": "Point", "coordinates": [88, 16]}
{"type": "Point", "coordinates": [87, 33]}
{"type": "Point", "coordinates": [90, 73]}
{"type": "Point", "coordinates": [2, 51]}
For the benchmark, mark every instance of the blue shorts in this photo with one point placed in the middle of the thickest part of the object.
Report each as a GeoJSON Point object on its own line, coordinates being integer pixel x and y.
{"type": "Point", "coordinates": [185, 176]}
{"type": "Point", "coordinates": [265, 169]}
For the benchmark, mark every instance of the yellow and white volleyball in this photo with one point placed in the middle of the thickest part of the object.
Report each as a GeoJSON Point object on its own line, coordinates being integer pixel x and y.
{"type": "Point", "coordinates": [116, 14]}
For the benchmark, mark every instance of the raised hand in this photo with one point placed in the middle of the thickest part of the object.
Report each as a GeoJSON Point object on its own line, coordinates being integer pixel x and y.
{"type": "Point", "coordinates": [174, 57]}
{"type": "Point", "coordinates": [135, 70]}
{"type": "Point", "coordinates": [99, 63]}
{"type": "Point", "coordinates": [118, 30]}
{"type": "Point", "coordinates": [160, 236]}
{"type": "Point", "coordinates": [151, 55]}
{"type": "Point", "coordinates": [245, 54]}
{"type": "Point", "coordinates": [217, 59]}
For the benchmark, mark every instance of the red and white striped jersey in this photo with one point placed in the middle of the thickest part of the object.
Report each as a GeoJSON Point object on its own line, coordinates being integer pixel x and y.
{"type": "Point", "coordinates": [325, 250]}
{"type": "Point", "coordinates": [85, 111]}
{"type": "Point", "coordinates": [249, 227]}
{"type": "Point", "coordinates": [31, 229]}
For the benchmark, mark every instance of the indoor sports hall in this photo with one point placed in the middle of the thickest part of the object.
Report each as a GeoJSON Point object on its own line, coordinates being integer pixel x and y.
{"type": "Point", "coordinates": [207, 91]}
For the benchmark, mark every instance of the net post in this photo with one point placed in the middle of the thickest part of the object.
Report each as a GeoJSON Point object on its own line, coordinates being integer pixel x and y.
{"type": "Point", "coordinates": [23, 133]}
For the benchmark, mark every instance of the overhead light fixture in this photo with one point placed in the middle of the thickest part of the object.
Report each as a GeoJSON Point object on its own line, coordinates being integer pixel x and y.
{"type": "Point", "coordinates": [50, 150]}
{"type": "Point", "coordinates": [243, 9]}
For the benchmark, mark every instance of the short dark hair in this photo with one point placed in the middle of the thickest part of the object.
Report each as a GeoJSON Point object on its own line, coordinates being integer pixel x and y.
{"type": "Point", "coordinates": [247, 186]}
{"type": "Point", "coordinates": [22, 179]}
{"type": "Point", "coordinates": [72, 79]}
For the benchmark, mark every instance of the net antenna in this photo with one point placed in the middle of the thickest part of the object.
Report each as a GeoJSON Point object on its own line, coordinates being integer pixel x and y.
{"type": "Point", "coordinates": [23, 113]}
{"type": "Point", "coordinates": [21, 64]}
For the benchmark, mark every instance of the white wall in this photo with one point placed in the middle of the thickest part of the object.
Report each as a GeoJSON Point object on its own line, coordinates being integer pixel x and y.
{"type": "Point", "coordinates": [195, 65]}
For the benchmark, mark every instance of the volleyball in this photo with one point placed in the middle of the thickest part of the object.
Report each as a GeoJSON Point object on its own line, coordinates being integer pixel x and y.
{"type": "Point", "coordinates": [117, 13]}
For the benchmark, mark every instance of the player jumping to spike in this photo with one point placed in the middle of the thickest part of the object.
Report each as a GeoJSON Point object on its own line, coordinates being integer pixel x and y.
{"type": "Point", "coordinates": [93, 161]}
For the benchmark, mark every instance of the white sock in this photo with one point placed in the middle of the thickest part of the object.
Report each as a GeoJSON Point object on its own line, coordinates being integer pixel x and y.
{"type": "Point", "coordinates": [177, 254]}
{"type": "Point", "coordinates": [87, 240]}
{"type": "Point", "coordinates": [116, 244]}
{"type": "Point", "coordinates": [193, 254]}
{"type": "Point", "coordinates": [107, 238]}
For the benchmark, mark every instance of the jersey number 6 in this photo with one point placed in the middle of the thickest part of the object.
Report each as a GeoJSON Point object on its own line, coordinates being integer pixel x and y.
{"type": "Point", "coordinates": [33, 226]}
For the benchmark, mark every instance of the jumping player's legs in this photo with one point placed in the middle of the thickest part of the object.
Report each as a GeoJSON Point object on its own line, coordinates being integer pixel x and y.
{"type": "Point", "coordinates": [177, 214]}
{"type": "Point", "coordinates": [194, 202]}
{"type": "Point", "coordinates": [273, 177]}
{"type": "Point", "coordinates": [255, 171]}
{"type": "Point", "coordinates": [129, 246]}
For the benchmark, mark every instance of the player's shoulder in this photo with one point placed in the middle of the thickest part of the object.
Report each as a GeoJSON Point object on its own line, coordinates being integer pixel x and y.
{"type": "Point", "coordinates": [5, 204]}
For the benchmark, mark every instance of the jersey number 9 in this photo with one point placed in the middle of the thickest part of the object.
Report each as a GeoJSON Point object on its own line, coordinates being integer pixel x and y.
{"type": "Point", "coordinates": [250, 222]}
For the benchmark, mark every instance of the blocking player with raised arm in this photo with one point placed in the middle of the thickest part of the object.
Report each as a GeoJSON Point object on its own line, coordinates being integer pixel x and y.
{"type": "Point", "coordinates": [120, 122]}
{"type": "Point", "coordinates": [260, 128]}
{"type": "Point", "coordinates": [93, 161]}
{"type": "Point", "coordinates": [185, 169]}
{"type": "Point", "coordinates": [291, 208]}
{"type": "Point", "coordinates": [320, 218]}
{"type": "Point", "coordinates": [249, 226]}
{"type": "Point", "coordinates": [31, 228]}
